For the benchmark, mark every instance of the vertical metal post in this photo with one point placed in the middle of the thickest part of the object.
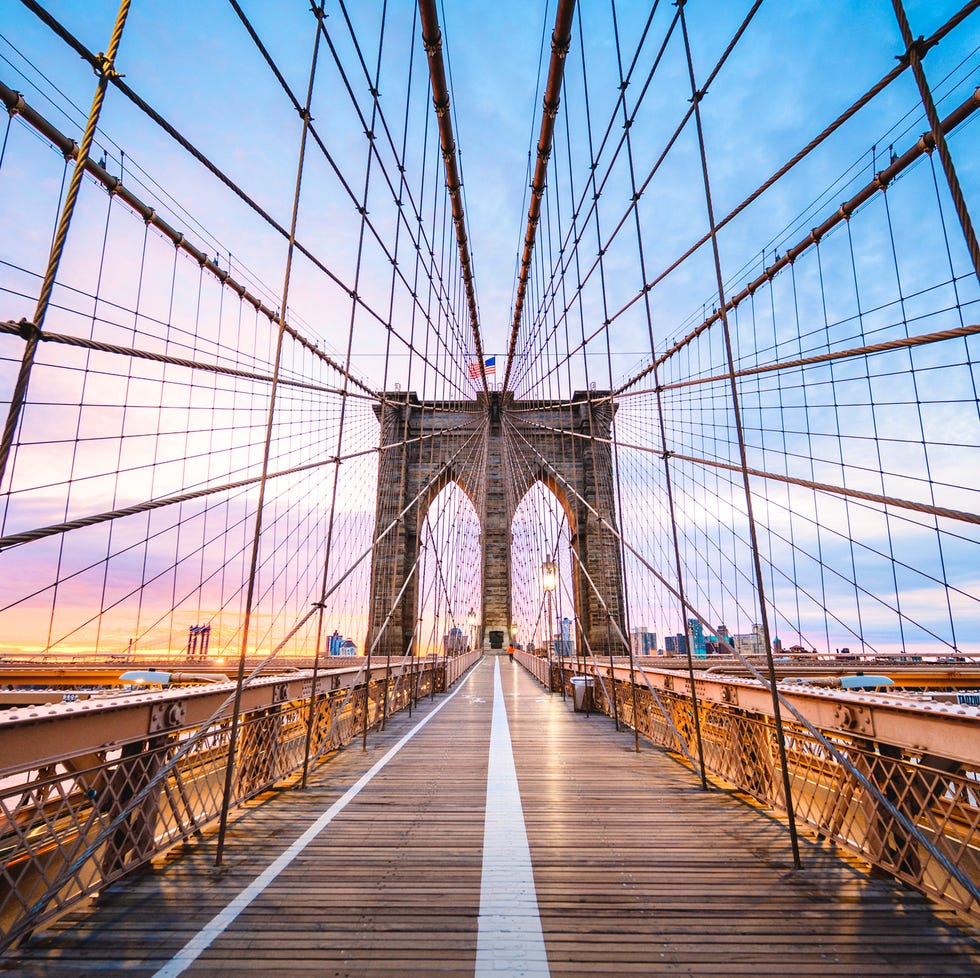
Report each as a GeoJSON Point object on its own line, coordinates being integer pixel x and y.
{"type": "Point", "coordinates": [310, 718]}
{"type": "Point", "coordinates": [561, 656]}
{"type": "Point", "coordinates": [548, 639]}
{"type": "Point", "coordinates": [367, 700]}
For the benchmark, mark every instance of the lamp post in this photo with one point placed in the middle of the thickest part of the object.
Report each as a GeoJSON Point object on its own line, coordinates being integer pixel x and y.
{"type": "Point", "coordinates": [549, 581]}
{"type": "Point", "coordinates": [471, 621]}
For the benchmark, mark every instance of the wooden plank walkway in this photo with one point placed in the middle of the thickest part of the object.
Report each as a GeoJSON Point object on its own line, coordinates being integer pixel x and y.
{"type": "Point", "coordinates": [637, 871]}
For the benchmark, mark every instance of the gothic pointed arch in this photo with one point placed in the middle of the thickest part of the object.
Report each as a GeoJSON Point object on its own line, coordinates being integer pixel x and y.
{"type": "Point", "coordinates": [450, 569]}
{"type": "Point", "coordinates": [495, 448]}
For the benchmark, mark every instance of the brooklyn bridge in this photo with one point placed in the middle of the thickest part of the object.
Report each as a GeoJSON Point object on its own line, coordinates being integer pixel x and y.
{"type": "Point", "coordinates": [621, 617]}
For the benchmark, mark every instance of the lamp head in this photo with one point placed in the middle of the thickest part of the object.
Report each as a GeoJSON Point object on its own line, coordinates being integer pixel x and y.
{"type": "Point", "coordinates": [549, 575]}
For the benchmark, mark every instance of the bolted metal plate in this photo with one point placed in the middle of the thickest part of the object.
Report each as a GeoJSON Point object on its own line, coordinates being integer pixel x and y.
{"type": "Point", "coordinates": [166, 716]}
{"type": "Point", "coordinates": [855, 718]}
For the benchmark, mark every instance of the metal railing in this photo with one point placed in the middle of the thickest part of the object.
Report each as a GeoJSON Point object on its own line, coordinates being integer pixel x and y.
{"type": "Point", "coordinates": [92, 791]}
{"type": "Point", "coordinates": [892, 779]}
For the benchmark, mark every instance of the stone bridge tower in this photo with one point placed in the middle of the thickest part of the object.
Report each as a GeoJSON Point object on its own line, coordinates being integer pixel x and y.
{"type": "Point", "coordinates": [564, 444]}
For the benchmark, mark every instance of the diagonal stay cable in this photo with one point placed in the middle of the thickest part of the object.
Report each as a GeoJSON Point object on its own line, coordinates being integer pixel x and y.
{"type": "Point", "coordinates": [432, 39]}
{"type": "Point", "coordinates": [39, 533]}
{"type": "Point", "coordinates": [829, 130]}
{"type": "Point", "coordinates": [15, 104]}
{"type": "Point", "coordinates": [907, 824]}
{"type": "Point", "coordinates": [212, 167]}
{"type": "Point", "coordinates": [433, 272]}
{"type": "Point", "coordinates": [909, 504]}
{"type": "Point", "coordinates": [188, 745]}
{"type": "Point", "coordinates": [560, 41]}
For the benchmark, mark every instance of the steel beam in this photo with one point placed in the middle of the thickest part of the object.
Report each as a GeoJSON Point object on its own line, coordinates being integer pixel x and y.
{"type": "Point", "coordinates": [432, 39]}
{"type": "Point", "coordinates": [940, 729]}
{"type": "Point", "coordinates": [552, 98]}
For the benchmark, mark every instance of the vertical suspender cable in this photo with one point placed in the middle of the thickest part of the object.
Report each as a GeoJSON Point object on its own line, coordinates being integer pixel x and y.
{"type": "Point", "coordinates": [696, 96]}
{"type": "Point", "coordinates": [432, 39]}
{"type": "Point", "coordinates": [556, 72]}
{"type": "Point", "coordinates": [270, 423]}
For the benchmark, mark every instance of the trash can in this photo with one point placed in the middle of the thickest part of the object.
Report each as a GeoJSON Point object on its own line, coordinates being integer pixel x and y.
{"type": "Point", "coordinates": [582, 693]}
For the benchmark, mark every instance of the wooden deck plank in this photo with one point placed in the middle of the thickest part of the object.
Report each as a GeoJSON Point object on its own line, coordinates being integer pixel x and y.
{"type": "Point", "coordinates": [637, 871]}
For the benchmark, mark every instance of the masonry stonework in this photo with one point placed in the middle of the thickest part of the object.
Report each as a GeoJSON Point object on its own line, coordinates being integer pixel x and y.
{"type": "Point", "coordinates": [425, 445]}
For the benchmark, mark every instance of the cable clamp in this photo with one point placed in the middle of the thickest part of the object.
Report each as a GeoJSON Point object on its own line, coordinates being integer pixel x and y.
{"type": "Point", "coordinates": [103, 67]}
{"type": "Point", "coordinates": [919, 48]}
{"type": "Point", "coordinates": [557, 48]}
{"type": "Point", "coordinates": [27, 330]}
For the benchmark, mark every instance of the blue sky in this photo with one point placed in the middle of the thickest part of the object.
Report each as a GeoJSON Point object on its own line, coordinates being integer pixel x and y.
{"type": "Point", "coordinates": [195, 64]}
{"type": "Point", "coordinates": [798, 66]}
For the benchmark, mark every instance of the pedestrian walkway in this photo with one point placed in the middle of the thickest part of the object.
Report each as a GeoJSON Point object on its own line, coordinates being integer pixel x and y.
{"type": "Point", "coordinates": [581, 857]}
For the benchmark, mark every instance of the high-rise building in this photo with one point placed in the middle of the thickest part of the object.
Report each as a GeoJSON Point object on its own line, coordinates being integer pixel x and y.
{"type": "Point", "coordinates": [454, 642]}
{"type": "Point", "coordinates": [675, 645]}
{"type": "Point", "coordinates": [563, 644]}
{"type": "Point", "coordinates": [751, 643]}
{"type": "Point", "coordinates": [698, 648]}
{"type": "Point", "coordinates": [644, 641]}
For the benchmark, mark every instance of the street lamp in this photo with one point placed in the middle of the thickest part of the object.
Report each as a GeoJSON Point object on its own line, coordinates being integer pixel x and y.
{"type": "Point", "coordinates": [549, 581]}
{"type": "Point", "coordinates": [549, 576]}
{"type": "Point", "coordinates": [471, 621]}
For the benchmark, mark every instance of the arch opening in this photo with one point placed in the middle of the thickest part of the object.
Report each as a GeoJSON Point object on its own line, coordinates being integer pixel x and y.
{"type": "Point", "coordinates": [450, 573]}
{"type": "Point", "coordinates": [544, 612]}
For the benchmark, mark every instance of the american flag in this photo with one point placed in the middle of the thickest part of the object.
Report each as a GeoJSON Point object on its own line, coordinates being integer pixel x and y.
{"type": "Point", "coordinates": [489, 367]}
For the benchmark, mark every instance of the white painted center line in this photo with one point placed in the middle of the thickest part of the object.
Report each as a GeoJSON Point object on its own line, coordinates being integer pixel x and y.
{"type": "Point", "coordinates": [509, 937]}
{"type": "Point", "coordinates": [201, 941]}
